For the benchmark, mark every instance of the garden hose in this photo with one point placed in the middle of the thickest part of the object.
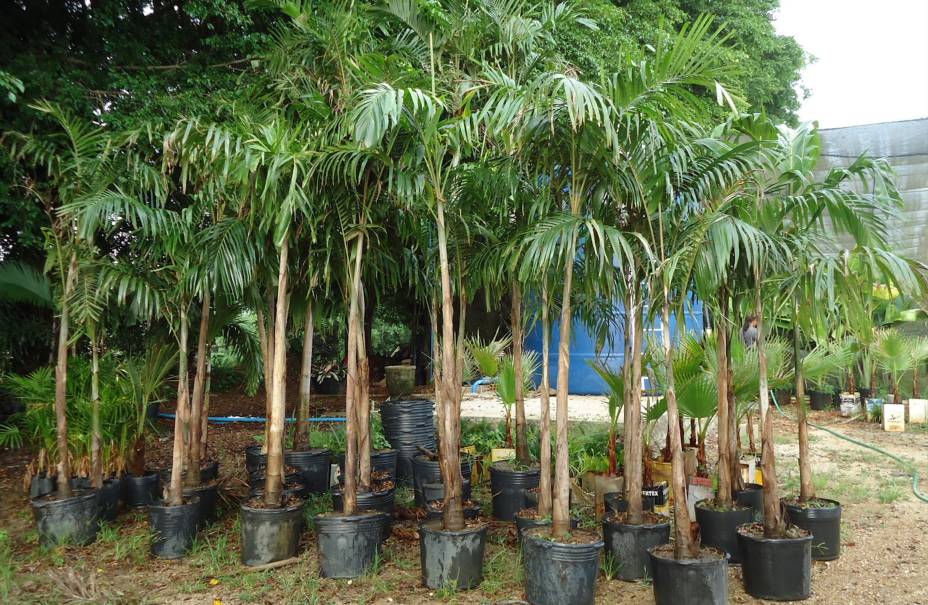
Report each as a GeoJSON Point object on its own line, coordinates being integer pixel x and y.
{"type": "Point", "coordinates": [905, 465]}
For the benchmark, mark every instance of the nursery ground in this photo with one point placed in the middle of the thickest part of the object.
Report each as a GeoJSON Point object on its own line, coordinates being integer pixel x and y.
{"type": "Point", "coordinates": [884, 540]}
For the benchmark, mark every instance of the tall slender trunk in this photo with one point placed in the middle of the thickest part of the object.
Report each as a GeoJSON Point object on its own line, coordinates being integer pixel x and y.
{"type": "Point", "coordinates": [363, 402]}
{"type": "Point", "coordinates": [301, 438]}
{"type": "Point", "coordinates": [749, 420]}
{"type": "Point", "coordinates": [561, 513]}
{"type": "Point", "coordinates": [266, 340]}
{"type": "Point", "coordinates": [522, 453]}
{"type": "Point", "coordinates": [453, 515]}
{"type": "Point", "coordinates": [544, 484]}
{"type": "Point", "coordinates": [633, 438]}
{"type": "Point", "coordinates": [274, 477]}
{"type": "Point", "coordinates": [806, 489]}
{"type": "Point", "coordinates": [734, 432]}
{"type": "Point", "coordinates": [61, 383]}
{"type": "Point", "coordinates": [685, 546]}
{"type": "Point", "coordinates": [723, 498]}
{"type": "Point", "coordinates": [204, 418]}
{"type": "Point", "coordinates": [195, 456]}
{"type": "Point", "coordinates": [773, 521]}
{"type": "Point", "coordinates": [96, 453]}
{"type": "Point", "coordinates": [181, 415]}
{"type": "Point", "coordinates": [350, 489]}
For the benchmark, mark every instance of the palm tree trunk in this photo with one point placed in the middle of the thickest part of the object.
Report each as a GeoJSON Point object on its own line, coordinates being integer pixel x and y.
{"type": "Point", "coordinates": [749, 419]}
{"type": "Point", "coordinates": [734, 430]}
{"type": "Point", "coordinates": [61, 383]}
{"type": "Point", "coordinates": [522, 453]}
{"type": "Point", "coordinates": [806, 489]}
{"type": "Point", "coordinates": [633, 440]}
{"type": "Point", "coordinates": [181, 415]}
{"type": "Point", "coordinates": [723, 498]}
{"type": "Point", "coordinates": [363, 401]}
{"type": "Point", "coordinates": [204, 418]}
{"type": "Point", "coordinates": [773, 521]}
{"type": "Point", "coordinates": [195, 457]}
{"type": "Point", "coordinates": [450, 436]}
{"type": "Point", "coordinates": [301, 439]}
{"type": "Point", "coordinates": [274, 477]}
{"type": "Point", "coordinates": [350, 489]}
{"type": "Point", "coordinates": [96, 454]}
{"type": "Point", "coordinates": [684, 544]}
{"type": "Point", "coordinates": [561, 513]}
{"type": "Point", "coordinates": [544, 484]}
{"type": "Point", "coordinates": [266, 340]}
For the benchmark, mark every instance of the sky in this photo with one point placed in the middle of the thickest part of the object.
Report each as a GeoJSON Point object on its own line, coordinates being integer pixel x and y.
{"type": "Point", "coordinates": [871, 58]}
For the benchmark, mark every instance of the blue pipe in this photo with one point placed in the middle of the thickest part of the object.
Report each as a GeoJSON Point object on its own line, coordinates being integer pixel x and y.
{"type": "Point", "coordinates": [480, 381]}
{"type": "Point", "coordinates": [230, 419]}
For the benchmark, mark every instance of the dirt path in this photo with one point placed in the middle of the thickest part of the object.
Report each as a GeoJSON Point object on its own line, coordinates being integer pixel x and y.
{"type": "Point", "coordinates": [885, 542]}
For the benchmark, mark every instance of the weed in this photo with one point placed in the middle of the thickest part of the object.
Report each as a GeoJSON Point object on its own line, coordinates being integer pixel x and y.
{"type": "Point", "coordinates": [890, 492]}
{"type": "Point", "coordinates": [502, 569]}
{"type": "Point", "coordinates": [215, 555]}
{"type": "Point", "coordinates": [317, 503]}
{"type": "Point", "coordinates": [133, 547]}
{"type": "Point", "coordinates": [448, 591]}
{"type": "Point", "coordinates": [6, 567]}
{"type": "Point", "coordinates": [609, 566]}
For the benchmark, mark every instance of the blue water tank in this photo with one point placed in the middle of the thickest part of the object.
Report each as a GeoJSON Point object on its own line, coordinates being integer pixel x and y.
{"type": "Point", "coordinates": [583, 379]}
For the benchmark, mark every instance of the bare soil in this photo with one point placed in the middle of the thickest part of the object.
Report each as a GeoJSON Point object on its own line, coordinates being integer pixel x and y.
{"type": "Point", "coordinates": [884, 545]}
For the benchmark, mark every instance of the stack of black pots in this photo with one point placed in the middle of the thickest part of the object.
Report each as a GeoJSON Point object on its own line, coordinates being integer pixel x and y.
{"type": "Point", "coordinates": [408, 425]}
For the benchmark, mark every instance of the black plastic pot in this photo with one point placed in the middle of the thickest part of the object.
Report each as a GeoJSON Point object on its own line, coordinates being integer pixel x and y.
{"type": "Point", "coordinates": [314, 465]}
{"type": "Point", "coordinates": [615, 503]}
{"type": "Point", "coordinates": [73, 520]}
{"type": "Point", "coordinates": [429, 471]}
{"type": "Point", "coordinates": [719, 528]}
{"type": "Point", "coordinates": [291, 487]}
{"type": "Point", "coordinates": [408, 424]}
{"type": "Point", "coordinates": [524, 523]}
{"type": "Point", "coordinates": [153, 409]}
{"type": "Point", "coordinates": [173, 527]}
{"type": "Point", "coordinates": [702, 581]}
{"type": "Point", "coordinates": [108, 497]}
{"type": "Point", "coordinates": [823, 523]}
{"type": "Point", "coordinates": [629, 546]}
{"type": "Point", "coordinates": [451, 558]}
{"type": "Point", "coordinates": [270, 534]}
{"type": "Point", "coordinates": [819, 400]}
{"type": "Point", "coordinates": [41, 485]}
{"type": "Point", "coordinates": [292, 481]}
{"type": "Point", "coordinates": [752, 495]}
{"type": "Point", "coordinates": [508, 486]}
{"type": "Point", "coordinates": [208, 502]}
{"type": "Point", "coordinates": [348, 544]}
{"type": "Point", "coordinates": [254, 460]}
{"type": "Point", "coordinates": [436, 491]}
{"type": "Point", "coordinates": [209, 471]}
{"type": "Point", "coordinates": [558, 573]}
{"type": "Point", "coordinates": [778, 569]}
{"type": "Point", "coordinates": [383, 461]}
{"type": "Point", "coordinates": [382, 502]}
{"type": "Point", "coordinates": [471, 511]}
{"type": "Point", "coordinates": [142, 491]}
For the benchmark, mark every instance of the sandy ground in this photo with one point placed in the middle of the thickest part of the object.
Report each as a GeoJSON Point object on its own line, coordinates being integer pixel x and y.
{"type": "Point", "coordinates": [586, 408]}
{"type": "Point", "coordinates": [884, 537]}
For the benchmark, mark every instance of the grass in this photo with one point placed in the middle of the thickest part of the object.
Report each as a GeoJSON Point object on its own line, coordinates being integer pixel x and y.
{"type": "Point", "coordinates": [6, 567]}
{"type": "Point", "coordinates": [890, 492]}
{"type": "Point", "coordinates": [213, 554]}
{"type": "Point", "coordinates": [127, 546]}
{"type": "Point", "coordinates": [500, 569]}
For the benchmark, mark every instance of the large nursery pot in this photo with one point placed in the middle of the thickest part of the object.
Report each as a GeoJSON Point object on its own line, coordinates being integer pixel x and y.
{"type": "Point", "coordinates": [72, 520]}
{"type": "Point", "coordinates": [291, 487]}
{"type": "Point", "coordinates": [401, 380]}
{"type": "Point", "coordinates": [508, 485]}
{"type": "Point", "coordinates": [41, 485]}
{"type": "Point", "coordinates": [408, 424]}
{"type": "Point", "coordinates": [615, 502]}
{"type": "Point", "coordinates": [292, 481]}
{"type": "Point", "coordinates": [823, 521]}
{"type": "Point", "coordinates": [426, 470]}
{"type": "Point", "coordinates": [719, 528]}
{"type": "Point", "coordinates": [451, 558]}
{"type": "Point", "coordinates": [142, 490]}
{"type": "Point", "coordinates": [382, 461]}
{"type": "Point", "coordinates": [436, 491]}
{"type": "Point", "coordinates": [819, 400]}
{"type": "Point", "coordinates": [560, 572]}
{"type": "Point", "coordinates": [778, 569]}
{"type": "Point", "coordinates": [378, 501]}
{"type": "Point", "coordinates": [752, 495]}
{"type": "Point", "coordinates": [108, 497]}
{"type": "Point", "coordinates": [173, 527]}
{"type": "Point", "coordinates": [208, 499]}
{"type": "Point", "coordinates": [629, 544]}
{"type": "Point", "coordinates": [209, 471]}
{"type": "Point", "coordinates": [524, 521]}
{"type": "Point", "coordinates": [270, 534]}
{"type": "Point", "coordinates": [314, 468]}
{"type": "Point", "coordinates": [700, 581]}
{"type": "Point", "coordinates": [433, 510]}
{"type": "Point", "coordinates": [348, 544]}
{"type": "Point", "coordinates": [254, 459]}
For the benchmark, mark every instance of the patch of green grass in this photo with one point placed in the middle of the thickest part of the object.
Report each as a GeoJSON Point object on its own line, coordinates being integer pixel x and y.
{"type": "Point", "coordinates": [6, 567]}
{"type": "Point", "coordinates": [213, 554]}
{"type": "Point", "coordinates": [317, 503]}
{"type": "Point", "coordinates": [448, 591]}
{"type": "Point", "coordinates": [890, 492]}
{"type": "Point", "coordinates": [503, 568]}
{"type": "Point", "coordinates": [132, 547]}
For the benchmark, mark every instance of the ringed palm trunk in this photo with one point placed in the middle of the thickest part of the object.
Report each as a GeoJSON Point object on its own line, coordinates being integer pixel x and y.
{"type": "Point", "coordinates": [684, 544]}
{"type": "Point", "coordinates": [350, 490]}
{"type": "Point", "coordinates": [306, 370]}
{"type": "Point", "coordinates": [195, 456]}
{"type": "Point", "coordinates": [734, 434]}
{"type": "Point", "coordinates": [806, 489]}
{"type": "Point", "coordinates": [181, 416]}
{"type": "Point", "coordinates": [453, 514]}
{"type": "Point", "coordinates": [522, 453]}
{"type": "Point", "coordinates": [96, 453]}
{"type": "Point", "coordinates": [61, 383]}
{"type": "Point", "coordinates": [773, 521]}
{"type": "Point", "coordinates": [362, 389]}
{"type": "Point", "coordinates": [561, 514]}
{"type": "Point", "coordinates": [204, 418]}
{"type": "Point", "coordinates": [725, 491]}
{"type": "Point", "coordinates": [273, 481]}
{"type": "Point", "coordinates": [632, 411]}
{"type": "Point", "coordinates": [544, 456]}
